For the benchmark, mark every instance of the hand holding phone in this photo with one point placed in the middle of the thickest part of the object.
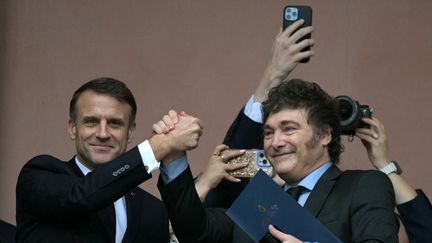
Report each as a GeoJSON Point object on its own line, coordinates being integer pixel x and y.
{"type": "Point", "coordinates": [292, 14]}
{"type": "Point", "coordinates": [256, 160]}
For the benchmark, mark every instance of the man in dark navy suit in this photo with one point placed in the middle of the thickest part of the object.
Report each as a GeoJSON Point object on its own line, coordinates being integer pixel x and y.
{"type": "Point", "coordinates": [302, 142]}
{"type": "Point", "coordinates": [414, 207]}
{"type": "Point", "coordinates": [94, 197]}
{"type": "Point", "coordinates": [301, 138]}
{"type": "Point", "coordinates": [7, 232]}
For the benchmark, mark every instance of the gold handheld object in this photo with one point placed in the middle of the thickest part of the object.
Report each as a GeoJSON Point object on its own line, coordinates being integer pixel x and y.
{"type": "Point", "coordinates": [256, 160]}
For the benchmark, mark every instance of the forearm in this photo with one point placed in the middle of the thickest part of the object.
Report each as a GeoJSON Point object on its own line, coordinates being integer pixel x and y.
{"type": "Point", "coordinates": [191, 221]}
{"type": "Point", "coordinates": [244, 133]}
{"type": "Point", "coordinates": [202, 189]}
{"type": "Point", "coordinates": [416, 216]}
{"type": "Point", "coordinates": [403, 191]}
{"type": "Point", "coordinates": [51, 188]}
{"type": "Point", "coordinates": [160, 146]}
{"type": "Point", "coordinates": [271, 77]}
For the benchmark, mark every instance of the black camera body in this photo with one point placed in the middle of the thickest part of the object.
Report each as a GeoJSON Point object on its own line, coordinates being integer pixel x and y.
{"type": "Point", "coordinates": [351, 113]}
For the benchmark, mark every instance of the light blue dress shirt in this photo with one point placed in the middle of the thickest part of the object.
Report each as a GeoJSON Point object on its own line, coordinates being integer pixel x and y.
{"type": "Point", "coordinates": [309, 182]}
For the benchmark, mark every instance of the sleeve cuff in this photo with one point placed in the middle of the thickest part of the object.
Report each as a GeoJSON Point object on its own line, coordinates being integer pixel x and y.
{"type": "Point", "coordinates": [174, 169]}
{"type": "Point", "coordinates": [147, 156]}
{"type": "Point", "coordinates": [253, 110]}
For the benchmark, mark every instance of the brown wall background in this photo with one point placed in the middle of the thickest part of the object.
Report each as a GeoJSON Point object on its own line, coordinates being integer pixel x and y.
{"type": "Point", "coordinates": [206, 57]}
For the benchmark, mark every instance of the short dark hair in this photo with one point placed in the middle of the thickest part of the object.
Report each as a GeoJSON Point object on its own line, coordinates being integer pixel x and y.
{"type": "Point", "coordinates": [322, 109]}
{"type": "Point", "coordinates": [107, 86]}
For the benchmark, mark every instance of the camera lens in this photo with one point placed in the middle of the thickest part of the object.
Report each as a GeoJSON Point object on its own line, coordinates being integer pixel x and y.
{"type": "Point", "coordinates": [351, 113]}
{"type": "Point", "coordinates": [291, 13]}
{"type": "Point", "coordinates": [345, 110]}
{"type": "Point", "coordinates": [348, 110]}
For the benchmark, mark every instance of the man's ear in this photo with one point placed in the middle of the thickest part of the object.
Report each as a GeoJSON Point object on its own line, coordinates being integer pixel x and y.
{"type": "Point", "coordinates": [130, 131]}
{"type": "Point", "coordinates": [326, 137]}
{"type": "Point", "coordinates": [72, 129]}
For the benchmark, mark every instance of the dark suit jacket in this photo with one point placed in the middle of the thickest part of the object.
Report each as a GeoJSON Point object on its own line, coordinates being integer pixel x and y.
{"type": "Point", "coordinates": [343, 201]}
{"type": "Point", "coordinates": [416, 215]}
{"type": "Point", "coordinates": [243, 133]}
{"type": "Point", "coordinates": [357, 206]}
{"type": "Point", "coordinates": [57, 203]}
{"type": "Point", "coordinates": [7, 232]}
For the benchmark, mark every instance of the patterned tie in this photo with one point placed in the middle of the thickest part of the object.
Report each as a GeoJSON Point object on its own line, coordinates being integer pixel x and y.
{"type": "Point", "coordinates": [296, 191]}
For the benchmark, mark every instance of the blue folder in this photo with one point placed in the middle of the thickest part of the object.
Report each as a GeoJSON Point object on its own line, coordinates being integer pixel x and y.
{"type": "Point", "coordinates": [263, 202]}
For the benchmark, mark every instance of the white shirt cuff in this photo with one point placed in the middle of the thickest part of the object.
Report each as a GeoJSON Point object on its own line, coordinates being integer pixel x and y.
{"type": "Point", "coordinates": [253, 110]}
{"type": "Point", "coordinates": [148, 157]}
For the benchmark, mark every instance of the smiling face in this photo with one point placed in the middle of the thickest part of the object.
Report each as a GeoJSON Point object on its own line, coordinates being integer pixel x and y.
{"type": "Point", "coordinates": [102, 128]}
{"type": "Point", "coordinates": [291, 145]}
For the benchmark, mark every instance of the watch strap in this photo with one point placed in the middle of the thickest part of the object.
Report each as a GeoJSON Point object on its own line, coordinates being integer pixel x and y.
{"type": "Point", "coordinates": [392, 167]}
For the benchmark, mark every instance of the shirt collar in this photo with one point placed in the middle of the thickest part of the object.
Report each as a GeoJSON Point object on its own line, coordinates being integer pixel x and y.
{"type": "Point", "coordinates": [312, 178]}
{"type": "Point", "coordinates": [82, 167]}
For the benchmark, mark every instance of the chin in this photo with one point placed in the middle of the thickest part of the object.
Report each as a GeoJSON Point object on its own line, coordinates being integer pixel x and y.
{"type": "Point", "coordinates": [100, 160]}
{"type": "Point", "coordinates": [284, 167]}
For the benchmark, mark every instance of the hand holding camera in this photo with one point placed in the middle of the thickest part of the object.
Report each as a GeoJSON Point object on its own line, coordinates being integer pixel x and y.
{"type": "Point", "coordinates": [351, 113]}
{"type": "Point", "coordinates": [375, 140]}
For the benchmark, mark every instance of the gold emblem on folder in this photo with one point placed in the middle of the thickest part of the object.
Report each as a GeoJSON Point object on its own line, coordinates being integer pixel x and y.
{"type": "Point", "coordinates": [269, 213]}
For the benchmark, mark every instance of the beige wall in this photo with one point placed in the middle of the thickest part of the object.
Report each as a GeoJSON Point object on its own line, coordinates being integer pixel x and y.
{"type": "Point", "coordinates": [205, 57]}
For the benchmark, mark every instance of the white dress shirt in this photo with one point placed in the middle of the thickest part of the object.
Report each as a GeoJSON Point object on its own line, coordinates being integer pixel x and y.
{"type": "Point", "coordinates": [151, 164]}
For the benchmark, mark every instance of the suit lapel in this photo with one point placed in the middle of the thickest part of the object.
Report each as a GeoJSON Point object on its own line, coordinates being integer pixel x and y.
{"type": "Point", "coordinates": [75, 170]}
{"type": "Point", "coordinates": [107, 215]}
{"type": "Point", "coordinates": [322, 189]}
{"type": "Point", "coordinates": [133, 211]}
{"type": "Point", "coordinates": [107, 219]}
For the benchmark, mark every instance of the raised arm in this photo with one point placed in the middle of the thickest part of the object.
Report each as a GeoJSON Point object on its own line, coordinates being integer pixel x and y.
{"type": "Point", "coordinates": [375, 141]}
{"type": "Point", "coordinates": [414, 207]}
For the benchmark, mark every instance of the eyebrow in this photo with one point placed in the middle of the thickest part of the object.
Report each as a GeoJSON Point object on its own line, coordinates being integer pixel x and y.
{"type": "Point", "coordinates": [88, 118]}
{"type": "Point", "coordinates": [285, 122]}
{"type": "Point", "coordinates": [117, 120]}
{"type": "Point", "coordinates": [282, 123]}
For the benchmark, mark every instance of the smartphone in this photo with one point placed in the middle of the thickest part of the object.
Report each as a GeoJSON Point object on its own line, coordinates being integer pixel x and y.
{"type": "Point", "coordinates": [256, 160]}
{"type": "Point", "coordinates": [293, 13]}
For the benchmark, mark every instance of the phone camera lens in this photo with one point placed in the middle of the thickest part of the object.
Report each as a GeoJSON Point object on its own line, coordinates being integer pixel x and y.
{"type": "Point", "coordinates": [264, 161]}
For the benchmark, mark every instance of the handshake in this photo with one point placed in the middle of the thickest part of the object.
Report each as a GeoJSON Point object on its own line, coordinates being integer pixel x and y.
{"type": "Point", "coordinates": [176, 133]}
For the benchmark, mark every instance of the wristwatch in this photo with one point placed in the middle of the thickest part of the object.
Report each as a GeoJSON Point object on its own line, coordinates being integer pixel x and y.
{"type": "Point", "coordinates": [392, 167]}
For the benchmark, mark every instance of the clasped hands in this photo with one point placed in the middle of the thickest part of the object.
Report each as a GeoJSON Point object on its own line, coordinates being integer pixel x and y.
{"type": "Point", "coordinates": [176, 142]}
{"type": "Point", "coordinates": [217, 169]}
{"type": "Point", "coordinates": [186, 130]}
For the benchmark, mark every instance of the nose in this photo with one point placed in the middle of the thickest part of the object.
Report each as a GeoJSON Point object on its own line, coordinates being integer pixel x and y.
{"type": "Point", "coordinates": [277, 140]}
{"type": "Point", "coordinates": [102, 132]}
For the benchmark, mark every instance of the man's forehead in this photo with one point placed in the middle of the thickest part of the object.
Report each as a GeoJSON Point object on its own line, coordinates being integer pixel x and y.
{"type": "Point", "coordinates": [288, 115]}
{"type": "Point", "coordinates": [91, 103]}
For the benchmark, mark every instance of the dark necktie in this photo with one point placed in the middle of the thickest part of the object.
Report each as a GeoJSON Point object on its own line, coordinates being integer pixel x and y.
{"type": "Point", "coordinates": [296, 191]}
